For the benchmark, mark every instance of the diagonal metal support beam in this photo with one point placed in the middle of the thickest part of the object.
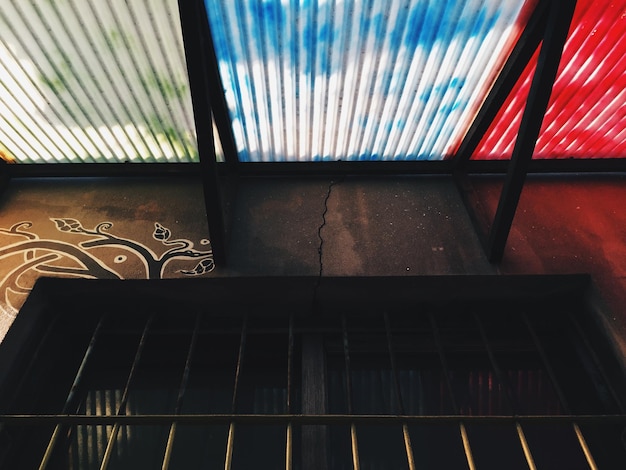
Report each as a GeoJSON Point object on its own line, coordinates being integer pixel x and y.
{"type": "Point", "coordinates": [560, 13]}
{"type": "Point", "coordinates": [199, 78]}
{"type": "Point", "coordinates": [523, 51]}
{"type": "Point", "coordinates": [216, 89]}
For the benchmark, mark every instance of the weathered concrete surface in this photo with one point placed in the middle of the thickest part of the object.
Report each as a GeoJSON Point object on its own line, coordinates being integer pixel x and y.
{"type": "Point", "coordinates": [365, 226]}
{"type": "Point", "coordinates": [374, 226]}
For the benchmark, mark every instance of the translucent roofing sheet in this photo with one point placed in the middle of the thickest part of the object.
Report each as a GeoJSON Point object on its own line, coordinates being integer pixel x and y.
{"type": "Point", "coordinates": [586, 116]}
{"type": "Point", "coordinates": [359, 79]}
{"type": "Point", "coordinates": [93, 81]}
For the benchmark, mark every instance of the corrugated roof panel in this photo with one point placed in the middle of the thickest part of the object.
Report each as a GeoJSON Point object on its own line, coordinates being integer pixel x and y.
{"type": "Point", "coordinates": [359, 79]}
{"type": "Point", "coordinates": [586, 116]}
{"type": "Point", "coordinates": [93, 81]}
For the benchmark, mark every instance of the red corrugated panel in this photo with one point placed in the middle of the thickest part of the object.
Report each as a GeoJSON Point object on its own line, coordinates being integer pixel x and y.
{"type": "Point", "coordinates": [586, 117]}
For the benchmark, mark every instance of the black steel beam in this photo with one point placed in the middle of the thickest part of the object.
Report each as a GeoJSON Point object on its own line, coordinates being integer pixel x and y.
{"type": "Point", "coordinates": [190, 15]}
{"type": "Point", "coordinates": [560, 15]}
{"type": "Point", "coordinates": [304, 169]}
{"type": "Point", "coordinates": [5, 176]}
{"type": "Point", "coordinates": [216, 89]}
{"type": "Point", "coordinates": [523, 51]}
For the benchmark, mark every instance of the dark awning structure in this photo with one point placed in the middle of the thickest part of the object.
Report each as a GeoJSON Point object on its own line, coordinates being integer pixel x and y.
{"type": "Point", "coordinates": [298, 88]}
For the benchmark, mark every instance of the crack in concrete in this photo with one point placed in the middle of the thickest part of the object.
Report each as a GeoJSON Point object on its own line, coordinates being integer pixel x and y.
{"type": "Point", "coordinates": [320, 249]}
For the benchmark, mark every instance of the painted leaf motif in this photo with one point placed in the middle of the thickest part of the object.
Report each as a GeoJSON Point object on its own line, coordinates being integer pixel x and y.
{"type": "Point", "coordinates": [204, 266]}
{"type": "Point", "coordinates": [68, 225]}
{"type": "Point", "coordinates": [161, 233]}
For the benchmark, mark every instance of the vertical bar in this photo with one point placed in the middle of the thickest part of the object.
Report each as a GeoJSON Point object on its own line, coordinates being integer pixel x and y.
{"type": "Point", "coordinates": [444, 364]}
{"type": "Point", "coordinates": [559, 19]}
{"type": "Point", "coordinates": [70, 396]}
{"type": "Point", "coordinates": [314, 382]}
{"type": "Point", "coordinates": [559, 392]}
{"type": "Point", "coordinates": [216, 89]}
{"type": "Point", "coordinates": [500, 376]}
{"type": "Point", "coordinates": [289, 443]}
{"type": "Point", "coordinates": [396, 381]}
{"type": "Point", "coordinates": [111, 442]}
{"type": "Point", "coordinates": [198, 80]}
{"type": "Point", "coordinates": [181, 394]}
{"type": "Point", "coordinates": [346, 355]}
{"type": "Point", "coordinates": [231, 429]}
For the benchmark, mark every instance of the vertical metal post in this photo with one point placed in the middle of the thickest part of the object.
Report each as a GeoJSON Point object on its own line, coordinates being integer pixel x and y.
{"type": "Point", "coordinates": [560, 13]}
{"type": "Point", "coordinates": [444, 365]}
{"type": "Point", "coordinates": [181, 394]}
{"type": "Point", "coordinates": [289, 443]}
{"type": "Point", "coordinates": [396, 381]}
{"type": "Point", "coordinates": [314, 382]}
{"type": "Point", "coordinates": [190, 16]}
{"type": "Point", "coordinates": [231, 430]}
{"type": "Point", "coordinates": [215, 88]}
{"type": "Point", "coordinates": [559, 392]}
{"type": "Point", "coordinates": [70, 396]}
{"type": "Point", "coordinates": [120, 410]}
{"type": "Point", "coordinates": [500, 376]}
{"type": "Point", "coordinates": [346, 356]}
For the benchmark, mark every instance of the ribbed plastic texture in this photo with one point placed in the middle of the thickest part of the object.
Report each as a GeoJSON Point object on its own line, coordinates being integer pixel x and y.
{"type": "Point", "coordinates": [359, 79]}
{"type": "Point", "coordinates": [586, 116]}
{"type": "Point", "coordinates": [94, 81]}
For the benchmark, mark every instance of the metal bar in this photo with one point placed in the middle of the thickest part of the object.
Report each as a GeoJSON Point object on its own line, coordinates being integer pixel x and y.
{"type": "Point", "coordinates": [559, 391]}
{"type": "Point", "coordinates": [405, 429]}
{"type": "Point", "coordinates": [346, 356]}
{"type": "Point", "coordinates": [442, 358]}
{"type": "Point", "coordinates": [289, 443]}
{"type": "Point", "coordinates": [289, 447]}
{"type": "Point", "coordinates": [198, 80]}
{"type": "Point", "coordinates": [559, 19]}
{"type": "Point", "coordinates": [70, 396]}
{"type": "Point", "coordinates": [308, 169]}
{"type": "Point", "coordinates": [116, 426]}
{"type": "Point", "coordinates": [228, 459]}
{"type": "Point", "coordinates": [523, 51]}
{"type": "Point", "coordinates": [505, 383]}
{"type": "Point", "coordinates": [215, 88]}
{"type": "Point", "coordinates": [231, 428]}
{"type": "Point", "coordinates": [314, 383]}
{"type": "Point", "coordinates": [466, 447]}
{"type": "Point", "coordinates": [181, 394]}
{"type": "Point", "coordinates": [313, 419]}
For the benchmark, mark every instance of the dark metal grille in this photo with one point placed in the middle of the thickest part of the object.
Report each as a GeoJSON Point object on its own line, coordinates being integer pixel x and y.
{"type": "Point", "coordinates": [479, 385]}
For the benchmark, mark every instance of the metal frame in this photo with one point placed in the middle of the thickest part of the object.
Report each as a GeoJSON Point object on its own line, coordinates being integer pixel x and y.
{"type": "Point", "coordinates": [553, 34]}
{"type": "Point", "coordinates": [146, 303]}
{"type": "Point", "coordinates": [210, 106]}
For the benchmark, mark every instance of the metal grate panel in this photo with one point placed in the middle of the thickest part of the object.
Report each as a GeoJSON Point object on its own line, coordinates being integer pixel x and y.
{"type": "Point", "coordinates": [481, 384]}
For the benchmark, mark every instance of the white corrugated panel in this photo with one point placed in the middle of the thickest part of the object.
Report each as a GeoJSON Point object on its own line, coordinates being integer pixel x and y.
{"type": "Point", "coordinates": [94, 81]}
{"type": "Point", "coordinates": [359, 79]}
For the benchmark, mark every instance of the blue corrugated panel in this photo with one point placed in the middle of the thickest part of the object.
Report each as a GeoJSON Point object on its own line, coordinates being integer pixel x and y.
{"type": "Point", "coordinates": [359, 79]}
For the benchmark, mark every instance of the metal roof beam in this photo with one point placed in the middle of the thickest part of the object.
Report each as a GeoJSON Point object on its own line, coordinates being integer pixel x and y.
{"type": "Point", "coordinates": [526, 46]}
{"type": "Point", "coordinates": [199, 81]}
{"type": "Point", "coordinates": [560, 15]}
